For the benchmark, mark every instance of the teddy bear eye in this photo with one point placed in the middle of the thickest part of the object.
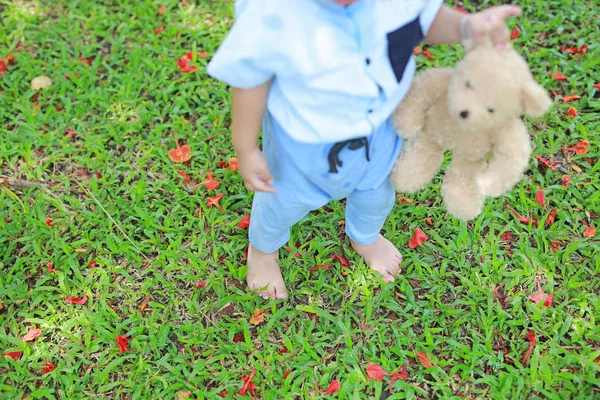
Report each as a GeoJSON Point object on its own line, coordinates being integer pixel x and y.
{"type": "Point", "coordinates": [491, 110]}
{"type": "Point", "coordinates": [469, 85]}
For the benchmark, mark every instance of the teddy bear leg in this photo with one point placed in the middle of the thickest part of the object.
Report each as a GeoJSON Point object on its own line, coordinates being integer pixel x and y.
{"type": "Point", "coordinates": [460, 192]}
{"type": "Point", "coordinates": [510, 159]}
{"type": "Point", "coordinates": [417, 164]}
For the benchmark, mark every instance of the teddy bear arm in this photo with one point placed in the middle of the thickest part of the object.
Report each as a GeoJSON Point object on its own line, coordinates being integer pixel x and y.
{"type": "Point", "coordinates": [419, 161]}
{"type": "Point", "coordinates": [409, 117]}
{"type": "Point", "coordinates": [508, 162]}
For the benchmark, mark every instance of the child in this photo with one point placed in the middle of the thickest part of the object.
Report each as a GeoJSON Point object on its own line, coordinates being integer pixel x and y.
{"type": "Point", "coordinates": [323, 78]}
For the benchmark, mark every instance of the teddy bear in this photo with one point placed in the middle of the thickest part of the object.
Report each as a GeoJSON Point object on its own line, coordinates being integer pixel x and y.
{"type": "Point", "coordinates": [473, 110]}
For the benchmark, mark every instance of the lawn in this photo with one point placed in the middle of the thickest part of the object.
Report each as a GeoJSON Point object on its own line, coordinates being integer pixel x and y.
{"type": "Point", "coordinates": [120, 277]}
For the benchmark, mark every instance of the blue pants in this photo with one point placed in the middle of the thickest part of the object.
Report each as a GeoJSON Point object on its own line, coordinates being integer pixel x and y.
{"type": "Point", "coordinates": [304, 183]}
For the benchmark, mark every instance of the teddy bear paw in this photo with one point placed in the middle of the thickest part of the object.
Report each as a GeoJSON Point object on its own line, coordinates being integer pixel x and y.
{"type": "Point", "coordinates": [489, 187]}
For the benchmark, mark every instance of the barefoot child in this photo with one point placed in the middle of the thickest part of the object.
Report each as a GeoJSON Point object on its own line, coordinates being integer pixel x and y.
{"type": "Point", "coordinates": [322, 77]}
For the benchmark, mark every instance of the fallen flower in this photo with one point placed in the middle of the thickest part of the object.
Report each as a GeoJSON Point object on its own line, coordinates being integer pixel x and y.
{"type": "Point", "coordinates": [558, 76]}
{"type": "Point", "coordinates": [418, 238]}
{"type": "Point", "coordinates": [48, 367]}
{"type": "Point", "coordinates": [15, 355]}
{"type": "Point", "coordinates": [521, 218]}
{"type": "Point", "coordinates": [248, 384]}
{"type": "Point", "coordinates": [566, 180]}
{"type": "Point", "coordinates": [333, 387]}
{"type": "Point", "coordinates": [572, 112]}
{"type": "Point", "coordinates": [550, 218]}
{"type": "Point", "coordinates": [180, 153]}
{"type": "Point", "coordinates": [122, 342]}
{"type": "Point", "coordinates": [33, 334]}
{"type": "Point", "coordinates": [424, 360]}
{"type": "Point", "coordinates": [546, 163]}
{"type": "Point", "coordinates": [589, 232]}
{"type": "Point", "coordinates": [530, 337]}
{"type": "Point", "coordinates": [375, 372]}
{"type": "Point", "coordinates": [341, 259]}
{"type": "Point", "coordinates": [233, 164]}
{"type": "Point", "coordinates": [76, 300]}
{"type": "Point", "coordinates": [214, 201]}
{"type": "Point", "coordinates": [540, 198]}
{"type": "Point", "coordinates": [541, 295]}
{"type": "Point", "coordinates": [258, 317]}
{"type": "Point", "coordinates": [401, 374]}
{"type": "Point", "coordinates": [318, 267]}
{"type": "Point", "coordinates": [580, 148]}
{"type": "Point", "coordinates": [515, 33]}
{"type": "Point", "coordinates": [571, 97]}
{"type": "Point", "coordinates": [244, 222]}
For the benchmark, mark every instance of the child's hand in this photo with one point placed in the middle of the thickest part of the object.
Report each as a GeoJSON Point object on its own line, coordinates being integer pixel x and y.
{"type": "Point", "coordinates": [255, 171]}
{"type": "Point", "coordinates": [489, 22]}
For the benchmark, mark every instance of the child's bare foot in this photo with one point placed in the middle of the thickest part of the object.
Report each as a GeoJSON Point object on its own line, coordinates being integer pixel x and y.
{"type": "Point", "coordinates": [381, 256]}
{"type": "Point", "coordinates": [264, 274]}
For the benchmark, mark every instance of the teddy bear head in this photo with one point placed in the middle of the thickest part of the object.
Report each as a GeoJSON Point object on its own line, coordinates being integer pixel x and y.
{"type": "Point", "coordinates": [490, 87]}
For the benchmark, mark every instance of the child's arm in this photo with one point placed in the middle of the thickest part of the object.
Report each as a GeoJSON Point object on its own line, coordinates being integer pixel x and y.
{"type": "Point", "coordinates": [248, 109]}
{"type": "Point", "coordinates": [447, 29]}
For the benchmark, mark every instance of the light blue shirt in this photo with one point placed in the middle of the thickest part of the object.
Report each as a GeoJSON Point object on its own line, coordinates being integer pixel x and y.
{"type": "Point", "coordinates": [339, 72]}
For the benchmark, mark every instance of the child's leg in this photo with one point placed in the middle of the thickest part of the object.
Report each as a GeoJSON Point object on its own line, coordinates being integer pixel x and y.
{"type": "Point", "coordinates": [366, 211]}
{"type": "Point", "coordinates": [370, 203]}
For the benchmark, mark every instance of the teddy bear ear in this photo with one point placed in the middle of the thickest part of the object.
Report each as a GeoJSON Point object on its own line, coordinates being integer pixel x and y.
{"type": "Point", "coordinates": [534, 99]}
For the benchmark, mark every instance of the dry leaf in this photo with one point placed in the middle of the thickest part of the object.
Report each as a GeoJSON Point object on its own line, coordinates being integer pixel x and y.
{"type": "Point", "coordinates": [258, 317]}
{"type": "Point", "coordinates": [40, 82]}
{"type": "Point", "coordinates": [33, 334]}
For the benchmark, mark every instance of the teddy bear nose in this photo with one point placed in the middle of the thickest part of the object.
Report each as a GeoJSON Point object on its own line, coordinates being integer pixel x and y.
{"type": "Point", "coordinates": [464, 114]}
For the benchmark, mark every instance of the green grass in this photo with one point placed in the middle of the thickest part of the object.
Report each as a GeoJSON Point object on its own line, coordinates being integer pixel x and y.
{"type": "Point", "coordinates": [125, 114]}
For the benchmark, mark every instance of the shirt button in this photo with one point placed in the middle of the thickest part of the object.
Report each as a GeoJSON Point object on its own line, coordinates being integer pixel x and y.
{"type": "Point", "coordinates": [368, 61]}
{"type": "Point", "coordinates": [370, 111]}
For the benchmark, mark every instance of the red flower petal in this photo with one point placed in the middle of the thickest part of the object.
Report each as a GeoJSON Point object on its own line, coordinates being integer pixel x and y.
{"type": "Point", "coordinates": [333, 387]}
{"type": "Point", "coordinates": [233, 164]}
{"type": "Point", "coordinates": [238, 337]}
{"type": "Point", "coordinates": [341, 259]}
{"type": "Point", "coordinates": [159, 30]}
{"type": "Point", "coordinates": [548, 164]}
{"type": "Point", "coordinates": [540, 198]}
{"type": "Point", "coordinates": [424, 360]}
{"type": "Point", "coordinates": [318, 267]}
{"type": "Point", "coordinates": [214, 201]}
{"type": "Point", "coordinates": [571, 97]}
{"type": "Point", "coordinates": [161, 10]}
{"type": "Point", "coordinates": [122, 342]}
{"type": "Point", "coordinates": [515, 33]}
{"type": "Point", "coordinates": [48, 367]}
{"type": "Point", "coordinates": [597, 86]}
{"type": "Point", "coordinates": [558, 77]}
{"type": "Point", "coordinates": [186, 177]}
{"type": "Point", "coordinates": [15, 355]}
{"type": "Point", "coordinates": [418, 238]}
{"type": "Point", "coordinates": [50, 222]}
{"type": "Point", "coordinates": [428, 55]}
{"type": "Point", "coordinates": [92, 264]}
{"type": "Point", "coordinates": [530, 337]}
{"type": "Point", "coordinates": [50, 267]}
{"type": "Point", "coordinates": [244, 222]}
{"type": "Point", "coordinates": [374, 371]}
{"type": "Point", "coordinates": [566, 180]}
{"type": "Point", "coordinates": [180, 154]}
{"type": "Point", "coordinates": [401, 374]}
{"type": "Point", "coordinates": [589, 232]}
{"type": "Point", "coordinates": [548, 300]}
{"type": "Point", "coordinates": [521, 218]}
{"type": "Point", "coordinates": [287, 373]}
{"type": "Point", "coordinates": [460, 10]}
{"type": "Point", "coordinates": [84, 60]}
{"type": "Point", "coordinates": [211, 183]}
{"type": "Point", "coordinates": [76, 300]}
{"type": "Point", "coordinates": [508, 237]}
{"type": "Point", "coordinates": [248, 384]}
{"type": "Point", "coordinates": [572, 112]}
{"type": "Point", "coordinates": [580, 148]}
{"type": "Point", "coordinates": [201, 284]}
{"type": "Point", "coordinates": [550, 218]}
{"type": "Point", "coordinates": [33, 334]}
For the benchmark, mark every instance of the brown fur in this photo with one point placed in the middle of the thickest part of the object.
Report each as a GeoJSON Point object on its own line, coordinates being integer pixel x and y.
{"type": "Point", "coordinates": [429, 118]}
